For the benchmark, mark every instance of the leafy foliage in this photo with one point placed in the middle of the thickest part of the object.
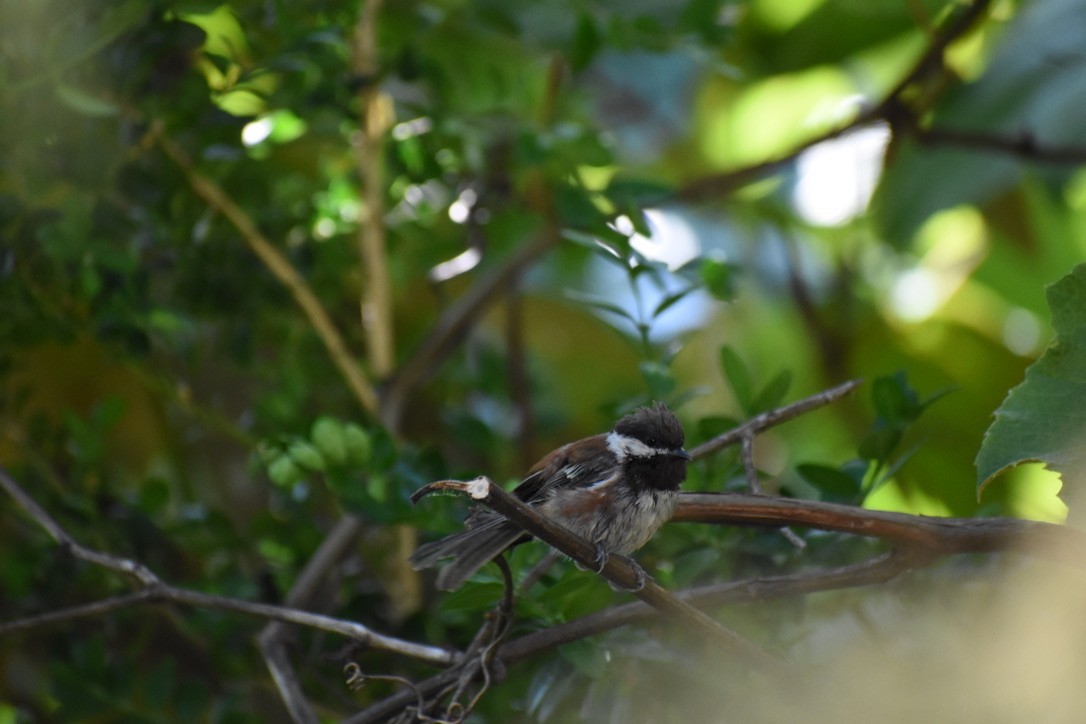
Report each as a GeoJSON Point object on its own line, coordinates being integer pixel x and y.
{"type": "Point", "coordinates": [1042, 419]}
{"type": "Point", "coordinates": [585, 206]}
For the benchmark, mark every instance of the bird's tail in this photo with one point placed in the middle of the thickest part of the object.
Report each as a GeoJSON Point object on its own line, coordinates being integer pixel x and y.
{"type": "Point", "coordinates": [470, 551]}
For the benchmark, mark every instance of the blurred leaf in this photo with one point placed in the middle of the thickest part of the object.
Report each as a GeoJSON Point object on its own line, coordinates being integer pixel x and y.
{"type": "Point", "coordinates": [329, 437]}
{"type": "Point", "coordinates": [85, 103]}
{"type": "Point", "coordinates": [670, 301]}
{"type": "Point", "coordinates": [658, 378]}
{"type": "Point", "coordinates": [284, 472]}
{"type": "Point", "coordinates": [586, 42]}
{"type": "Point", "coordinates": [710, 427]}
{"type": "Point", "coordinates": [1044, 417]}
{"type": "Point", "coordinates": [879, 444]}
{"type": "Point", "coordinates": [306, 455]}
{"type": "Point", "coordinates": [894, 399]}
{"type": "Point", "coordinates": [587, 657]}
{"type": "Point", "coordinates": [601, 304]}
{"type": "Point", "coordinates": [773, 393]}
{"type": "Point", "coordinates": [833, 483]}
{"type": "Point", "coordinates": [357, 443]}
{"type": "Point", "coordinates": [738, 377]}
{"type": "Point", "coordinates": [718, 278]}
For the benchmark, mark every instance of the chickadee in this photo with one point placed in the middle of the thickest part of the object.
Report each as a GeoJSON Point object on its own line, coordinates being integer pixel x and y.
{"type": "Point", "coordinates": [614, 489]}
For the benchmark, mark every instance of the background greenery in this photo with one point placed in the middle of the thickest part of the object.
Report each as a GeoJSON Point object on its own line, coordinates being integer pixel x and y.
{"type": "Point", "coordinates": [164, 396]}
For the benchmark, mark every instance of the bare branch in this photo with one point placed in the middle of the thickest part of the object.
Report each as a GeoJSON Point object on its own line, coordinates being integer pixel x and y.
{"type": "Point", "coordinates": [769, 419]}
{"type": "Point", "coordinates": [940, 536]}
{"type": "Point", "coordinates": [155, 590]}
{"type": "Point", "coordinates": [217, 198]}
{"type": "Point", "coordinates": [95, 608]}
{"type": "Point", "coordinates": [114, 563]}
{"type": "Point", "coordinates": [1023, 145]}
{"type": "Point", "coordinates": [286, 681]}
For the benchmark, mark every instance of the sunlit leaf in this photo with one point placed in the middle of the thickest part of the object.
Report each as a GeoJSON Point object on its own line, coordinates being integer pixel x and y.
{"type": "Point", "coordinates": [1044, 418]}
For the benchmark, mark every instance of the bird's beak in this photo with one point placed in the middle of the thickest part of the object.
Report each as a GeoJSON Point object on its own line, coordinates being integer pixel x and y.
{"type": "Point", "coordinates": [683, 454]}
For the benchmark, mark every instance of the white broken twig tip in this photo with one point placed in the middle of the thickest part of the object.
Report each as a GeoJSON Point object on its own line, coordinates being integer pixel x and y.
{"type": "Point", "coordinates": [478, 488]}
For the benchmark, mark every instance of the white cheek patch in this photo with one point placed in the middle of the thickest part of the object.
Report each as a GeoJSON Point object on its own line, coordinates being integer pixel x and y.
{"type": "Point", "coordinates": [624, 446]}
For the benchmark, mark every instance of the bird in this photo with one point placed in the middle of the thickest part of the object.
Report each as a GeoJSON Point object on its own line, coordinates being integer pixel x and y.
{"type": "Point", "coordinates": [614, 489]}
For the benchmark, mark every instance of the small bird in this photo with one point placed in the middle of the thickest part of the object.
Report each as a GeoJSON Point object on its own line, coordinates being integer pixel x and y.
{"type": "Point", "coordinates": [614, 489]}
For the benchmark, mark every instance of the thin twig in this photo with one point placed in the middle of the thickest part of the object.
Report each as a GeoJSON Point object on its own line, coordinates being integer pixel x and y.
{"type": "Point", "coordinates": [272, 638]}
{"type": "Point", "coordinates": [747, 454]}
{"type": "Point", "coordinates": [286, 682]}
{"type": "Point", "coordinates": [157, 590]}
{"type": "Point", "coordinates": [772, 418]}
{"type": "Point", "coordinates": [280, 267]}
{"type": "Point", "coordinates": [1024, 145]}
{"type": "Point", "coordinates": [126, 566]}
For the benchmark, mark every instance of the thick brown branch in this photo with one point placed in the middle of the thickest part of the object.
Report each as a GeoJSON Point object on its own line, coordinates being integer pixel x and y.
{"type": "Point", "coordinates": [941, 536]}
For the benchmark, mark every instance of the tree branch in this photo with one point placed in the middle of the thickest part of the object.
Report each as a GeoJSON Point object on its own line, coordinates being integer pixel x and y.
{"type": "Point", "coordinates": [772, 418]}
{"type": "Point", "coordinates": [941, 536]}
{"type": "Point", "coordinates": [281, 268]}
{"type": "Point", "coordinates": [155, 589]}
{"type": "Point", "coordinates": [895, 110]}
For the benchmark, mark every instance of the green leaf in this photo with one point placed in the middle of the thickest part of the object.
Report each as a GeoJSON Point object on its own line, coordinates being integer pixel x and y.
{"type": "Point", "coordinates": [472, 597]}
{"type": "Point", "coordinates": [738, 376]}
{"type": "Point", "coordinates": [894, 399]}
{"type": "Point", "coordinates": [718, 278]}
{"type": "Point", "coordinates": [358, 443]}
{"type": "Point", "coordinates": [879, 444]}
{"type": "Point", "coordinates": [628, 193]}
{"type": "Point", "coordinates": [328, 435]}
{"type": "Point", "coordinates": [836, 484]}
{"type": "Point", "coordinates": [670, 300]}
{"type": "Point", "coordinates": [586, 42]}
{"type": "Point", "coordinates": [601, 304]}
{"type": "Point", "coordinates": [710, 427]}
{"type": "Point", "coordinates": [658, 378]}
{"type": "Point", "coordinates": [306, 455]}
{"type": "Point", "coordinates": [377, 487]}
{"type": "Point", "coordinates": [773, 393]}
{"type": "Point", "coordinates": [1044, 418]}
{"type": "Point", "coordinates": [284, 472]}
